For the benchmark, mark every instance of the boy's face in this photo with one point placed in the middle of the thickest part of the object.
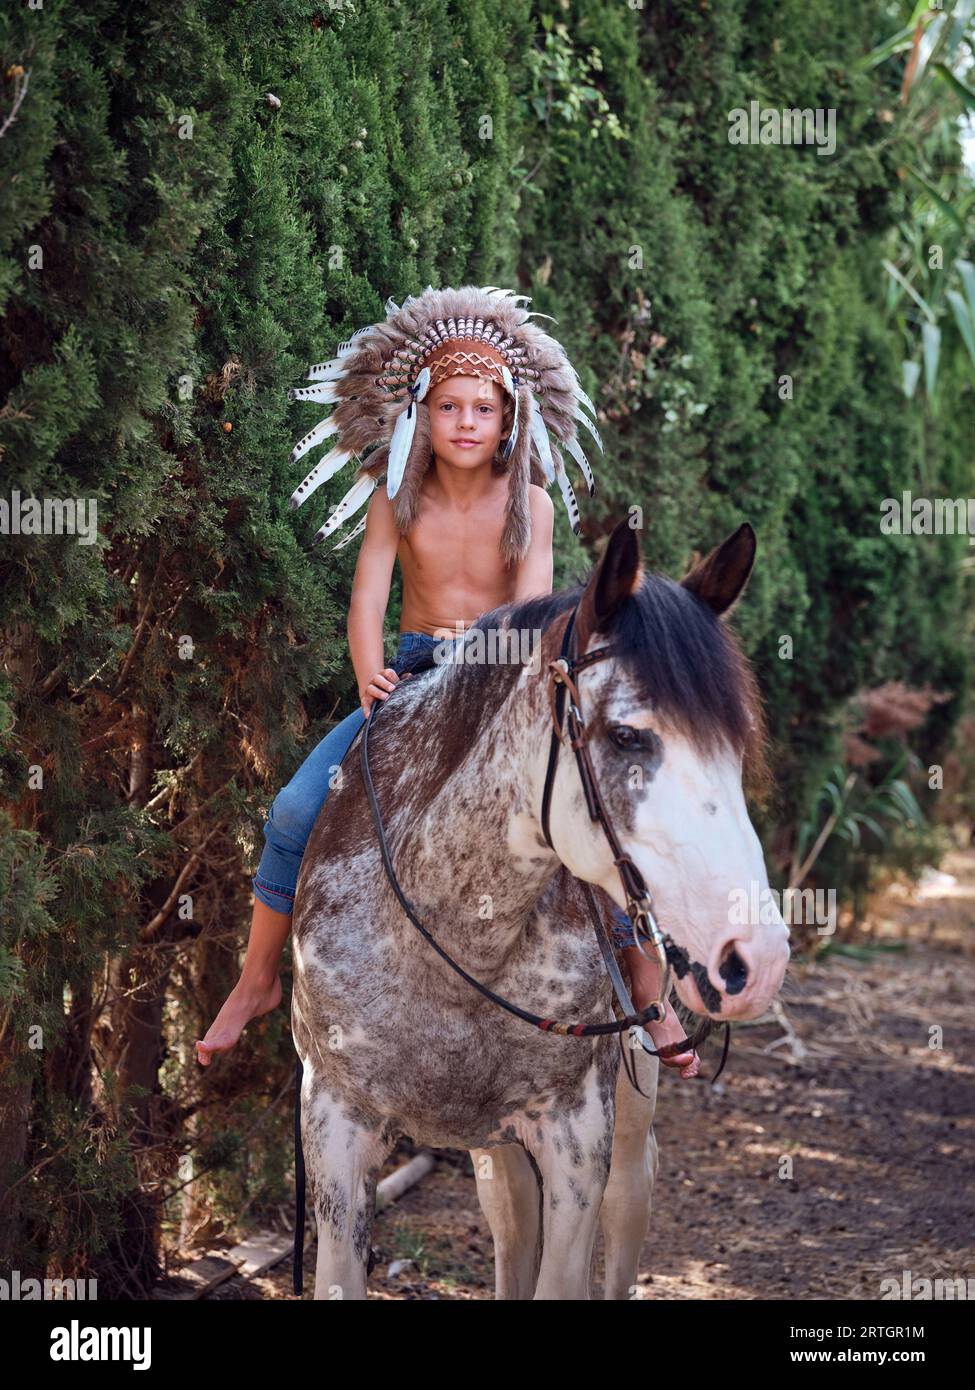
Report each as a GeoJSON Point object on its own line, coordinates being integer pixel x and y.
{"type": "Point", "coordinates": [466, 419]}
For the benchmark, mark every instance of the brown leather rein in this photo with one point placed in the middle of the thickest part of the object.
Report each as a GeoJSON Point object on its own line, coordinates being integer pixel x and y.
{"type": "Point", "coordinates": [560, 677]}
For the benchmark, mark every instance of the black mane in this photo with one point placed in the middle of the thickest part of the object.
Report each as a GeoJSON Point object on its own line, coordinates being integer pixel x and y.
{"type": "Point", "coordinates": [681, 659]}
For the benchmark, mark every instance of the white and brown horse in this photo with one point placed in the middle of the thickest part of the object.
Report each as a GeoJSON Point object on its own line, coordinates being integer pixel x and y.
{"type": "Point", "coordinates": [393, 1042]}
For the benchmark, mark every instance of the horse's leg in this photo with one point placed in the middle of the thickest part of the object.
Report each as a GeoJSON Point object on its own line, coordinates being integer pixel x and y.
{"type": "Point", "coordinates": [343, 1158]}
{"type": "Point", "coordinates": [508, 1192]}
{"type": "Point", "coordinates": [625, 1213]}
{"type": "Point", "coordinates": [573, 1155]}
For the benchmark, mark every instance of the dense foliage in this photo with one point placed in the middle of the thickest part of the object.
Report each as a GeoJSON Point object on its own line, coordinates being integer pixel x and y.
{"type": "Point", "coordinates": [197, 200]}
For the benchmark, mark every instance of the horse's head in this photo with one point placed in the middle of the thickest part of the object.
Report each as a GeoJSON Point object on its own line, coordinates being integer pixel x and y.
{"type": "Point", "coordinates": [675, 734]}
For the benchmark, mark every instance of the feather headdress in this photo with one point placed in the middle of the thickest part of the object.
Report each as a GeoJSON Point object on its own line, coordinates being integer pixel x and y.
{"type": "Point", "coordinates": [378, 381]}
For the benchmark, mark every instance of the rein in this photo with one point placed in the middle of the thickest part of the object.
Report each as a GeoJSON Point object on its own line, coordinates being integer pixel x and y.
{"type": "Point", "coordinates": [560, 675]}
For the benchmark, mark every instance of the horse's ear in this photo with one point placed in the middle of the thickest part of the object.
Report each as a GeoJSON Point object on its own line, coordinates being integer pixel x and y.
{"type": "Point", "coordinates": [617, 576]}
{"type": "Point", "coordinates": [718, 580]}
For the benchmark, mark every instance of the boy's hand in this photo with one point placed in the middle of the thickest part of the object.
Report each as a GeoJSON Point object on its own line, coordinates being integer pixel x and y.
{"type": "Point", "coordinates": [379, 687]}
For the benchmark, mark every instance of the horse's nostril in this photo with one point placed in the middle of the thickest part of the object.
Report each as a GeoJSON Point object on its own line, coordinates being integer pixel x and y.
{"type": "Point", "coordinates": [733, 970]}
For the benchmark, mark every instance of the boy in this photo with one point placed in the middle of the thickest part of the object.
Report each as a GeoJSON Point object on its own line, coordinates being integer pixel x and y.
{"type": "Point", "coordinates": [463, 513]}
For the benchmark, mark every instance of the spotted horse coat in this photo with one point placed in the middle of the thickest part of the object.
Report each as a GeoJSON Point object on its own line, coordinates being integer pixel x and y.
{"type": "Point", "coordinates": [393, 1042]}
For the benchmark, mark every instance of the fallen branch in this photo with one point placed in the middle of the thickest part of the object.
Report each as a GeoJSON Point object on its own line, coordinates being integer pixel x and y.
{"type": "Point", "coordinates": [21, 83]}
{"type": "Point", "coordinates": [149, 931]}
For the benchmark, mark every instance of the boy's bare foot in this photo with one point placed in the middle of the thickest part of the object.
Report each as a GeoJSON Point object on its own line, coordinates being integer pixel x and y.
{"type": "Point", "coordinates": [666, 1031]}
{"type": "Point", "coordinates": [245, 1001]}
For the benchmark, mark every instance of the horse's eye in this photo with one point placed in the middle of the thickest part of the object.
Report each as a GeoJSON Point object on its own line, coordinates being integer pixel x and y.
{"type": "Point", "coordinates": [624, 736]}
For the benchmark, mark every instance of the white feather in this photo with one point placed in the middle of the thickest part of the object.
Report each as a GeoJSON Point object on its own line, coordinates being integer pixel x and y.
{"type": "Point", "coordinates": [350, 343]}
{"type": "Point", "coordinates": [357, 528]}
{"type": "Point", "coordinates": [581, 415]}
{"type": "Point", "coordinates": [350, 503]}
{"type": "Point", "coordinates": [574, 449]}
{"type": "Point", "coordinates": [325, 393]}
{"type": "Point", "coordinates": [536, 427]}
{"type": "Point", "coordinates": [322, 371]}
{"type": "Point", "coordinates": [399, 448]}
{"type": "Point", "coordinates": [321, 431]}
{"type": "Point", "coordinates": [326, 468]}
{"type": "Point", "coordinates": [403, 432]}
{"type": "Point", "coordinates": [580, 395]}
{"type": "Point", "coordinates": [326, 372]}
{"type": "Point", "coordinates": [391, 308]}
{"type": "Point", "coordinates": [508, 447]}
{"type": "Point", "coordinates": [568, 496]}
{"type": "Point", "coordinates": [508, 294]}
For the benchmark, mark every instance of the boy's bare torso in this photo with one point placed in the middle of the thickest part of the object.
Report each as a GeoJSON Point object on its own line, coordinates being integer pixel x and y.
{"type": "Point", "coordinates": [451, 560]}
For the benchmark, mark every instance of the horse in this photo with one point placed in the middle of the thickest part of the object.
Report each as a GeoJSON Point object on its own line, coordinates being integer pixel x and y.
{"type": "Point", "coordinates": [392, 1042]}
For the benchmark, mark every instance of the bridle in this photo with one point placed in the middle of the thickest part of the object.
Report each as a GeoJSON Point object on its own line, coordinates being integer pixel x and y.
{"type": "Point", "coordinates": [560, 678]}
{"type": "Point", "coordinates": [562, 686]}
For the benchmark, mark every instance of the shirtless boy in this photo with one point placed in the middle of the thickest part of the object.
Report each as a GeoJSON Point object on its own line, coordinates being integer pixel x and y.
{"type": "Point", "coordinates": [452, 573]}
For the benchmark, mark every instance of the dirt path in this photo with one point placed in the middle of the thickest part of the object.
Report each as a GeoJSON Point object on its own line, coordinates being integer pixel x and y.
{"type": "Point", "coordinates": [878, 1125]}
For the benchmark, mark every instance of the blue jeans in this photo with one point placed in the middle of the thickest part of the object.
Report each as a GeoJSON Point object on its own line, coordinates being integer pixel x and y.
{"type": "Point", "coordinates": [295, 808]}
{"type": "Point", "coordinates": [622, 930]}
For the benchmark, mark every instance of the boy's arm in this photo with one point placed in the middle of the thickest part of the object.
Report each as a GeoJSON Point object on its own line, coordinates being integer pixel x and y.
{"type": "Point", "coordinates": [370, 590]}
{"type": "Point", "coordinates": [535, 570]}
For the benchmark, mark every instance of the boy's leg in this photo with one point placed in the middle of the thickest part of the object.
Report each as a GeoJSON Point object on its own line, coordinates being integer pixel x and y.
{"type": "Point", "coordinates": [293, 813]}
{"type": "Point", "coordinates": [644, 987]}
{"type": "Point", "coordinates": [259, 988]}
{"type": "Point", "coordinates": [292, 816]}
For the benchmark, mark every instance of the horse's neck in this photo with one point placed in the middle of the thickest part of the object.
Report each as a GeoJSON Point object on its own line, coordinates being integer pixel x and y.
{"type": "Point", "coordinates": [473, 847]}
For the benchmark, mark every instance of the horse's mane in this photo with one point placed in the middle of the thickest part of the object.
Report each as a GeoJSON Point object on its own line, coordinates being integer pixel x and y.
{"type": "Point", "coordinates": [683, 661]}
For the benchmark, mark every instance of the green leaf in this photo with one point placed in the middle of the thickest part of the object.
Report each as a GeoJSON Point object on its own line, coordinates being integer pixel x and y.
{"type": "Point", "coordinates": [936, 198]}
{"type": "Point", "coordinates": [967, 272]}
{"type": "Point", "coordinates": [928, 46]}
{"type": "Point", "coordinates": [910, 371]}
{"type": "Point", "coordinates": [903, 800]}
{"type": "Point", "coordinates": [897, 43]}
{"type": "Point", "coordinates": [922, 304]}
{"type": "Point", "coordinates": [851, 831]}
{"type": "Point", "coordinates": [874, 826]}
{"type": "Point", "coordinates": [931, 345]}
{"type": "Point", "coordinates": [964, 321]}
{"type": "Point", "coordinates": [962, 16]}
{"type": "Point", "coordinates": [966, 94]}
